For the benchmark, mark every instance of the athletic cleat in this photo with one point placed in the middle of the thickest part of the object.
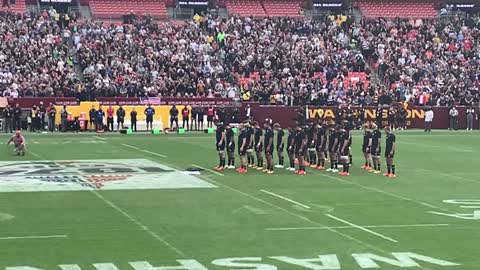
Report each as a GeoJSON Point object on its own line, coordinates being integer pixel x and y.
{"type": "Point", "coordinates": [302, 173]}
{"type": "Point", "coordinates": [278, 166]}
{"type": "Point", "coordinates": [219, 169]}
{"type": "Point", "coordinates": [296, 171]}
{"type": "Point", "coordinates": [291, 169]}
{"type": "Point", "coordinates": [376, 172]}
{"type": "Point", "coordinates": [270, 172]}
{"type": "Point", "coordinates": [250, 165]}
{"type": "Point", "coordinates": [329, 170]}
{"type": "Point", "coordinates": [392, 175]}
{"type": "Point", "coordinates": [306, 163]}
{"type": "Point", "coordinates": [265, 170]}
{"type": "Point", "coordinates": [254, 166]}
{"type": "Point", "coordinates": [335, 170]}
{"type": "Point", "coordinates": [259, 168]}
{"type": "Point", "coordinates": [341, 173]}
{"type": "Point", "coordinates": [313, 166]}
{"type": "Point", "coordinates": [364, 167]}
{"type": "Point", "coordinates": [231, 167]}
{"type": "Point", "coordinates": [386, 174]}
{"type": "Point", "coordinates": [371, 170]}
{"type": "Point", "coordinates": [321, 168]}
{"type": "Point", "coordinates": [368, 168]}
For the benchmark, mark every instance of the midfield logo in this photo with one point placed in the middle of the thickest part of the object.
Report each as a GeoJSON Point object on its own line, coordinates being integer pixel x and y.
{"type": "Point", "coordinates": [93, 175]}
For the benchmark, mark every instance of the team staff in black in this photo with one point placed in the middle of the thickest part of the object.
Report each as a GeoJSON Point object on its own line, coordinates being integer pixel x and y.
{"type": "Point", "coordinates": [390, 152]}
{"type": "Point", "coordinates": [243, 139]}
{"type": "Point", "coordinates": [291, 148]}
{"type": "Point", "coordinates": [120, 117]}
{"type": "Point", "coordinates": [379, 116]}
{"type": "Point", "coordinates": [174, 117]}
{"type": "Point", "coordinates": [220, 144]}
{"type": "Point", "coordinates": [268, 141]}
{"type": "Point", "coordinates": [200, 116]}
{"type": "Point", "coordinates": [300, 149]}
{"type": "Point", "coordinates": [366, 145]}
{"type": "Point", "coordinates": [311, 137]}
{"type": "Point", "coordinates": [333, 148]}
{"type": "Point", "coordinates": [230, 141]}
{"type": "Point", "coordinates": [258, 141]}
{"type": "Point", "coordinates": [320, 145]}
{"type": "Point", "coordinates": [93, 117]}
{"type": "Point", "coordinates": [7, 116]}
{"type": "Point", "coordinates": [280, 145]}
{"type": "Point", "coordinates": [343, 149]}
{"type": "Point", "coordinates": [376, 149]}
{"type": "Point", "coordinates": [149, 113]}
{"type": "Point", "coordinates": [133, 120]}
{"type": "Point", "coordinates": [17, 115]}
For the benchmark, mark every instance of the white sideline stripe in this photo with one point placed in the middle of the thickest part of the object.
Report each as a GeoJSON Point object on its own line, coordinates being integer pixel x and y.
{"type": "Point", "coordinates": [209, 170]}
{"type": "Point", "coordinates": [153, 153]}
{"type": "Point", "coordinates": [130, 146]}
{"type": "Point", "coordinates": [362, 228]}
{"type": "Point", "coordinates": [98, 137]}
{"type": "Point", "coordinates": [386, 193]}
{"type": "Point", "coordinates": [450, 176]}
{"type": "Point", "coordinates": [33, 237]}
{"type": "Point", "coordinates": [285, 198]}
{"type": "Point", "coordinates": [139, 224]}
{"type": "Point", "coordinates": [35, 155]}
{"type": "Point", "coordinates": [350, 227]}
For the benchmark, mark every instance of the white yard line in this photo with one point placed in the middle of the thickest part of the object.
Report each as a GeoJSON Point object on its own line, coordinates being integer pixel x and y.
{"type": "Point", "coordinates": [153, 153]}
{"type": "Point", "coordinates": [209, 170]}
{"type": "Point", "coordinates": [130, 146]}
{"type": "Point", "coordinates": [34, 154]}
{"type": "Point", "coordinates": [98, 137]}
{"type": "Point", "coordinates": [139, 224]}
{"type": "Point", "coordinates": [285, 198]}
{"type": "Point", "coordinates": [385, 192]}
{"type": "Point", "coordinates": [351, 227]}
{"type": "Point", "coordinates": [33, 237]}
{"type": "Point", "coordinates": [449, 176]}
{"type": "Point", "coordinates": [362, 228]}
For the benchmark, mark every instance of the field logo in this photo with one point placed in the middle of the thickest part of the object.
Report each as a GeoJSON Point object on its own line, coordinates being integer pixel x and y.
{"type": "Point", "coordinates": [471, 204]}
{"type": "Point", "coordinates": [95, 174]}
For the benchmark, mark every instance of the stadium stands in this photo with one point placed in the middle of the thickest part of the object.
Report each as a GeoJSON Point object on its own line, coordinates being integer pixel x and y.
{"type": "Point", "coordinates": [246, 8]}
{"type": "Point", "coordinates": [283, 8]}
{"type": "Point", "coordinates": [402, 9]}
{"type": "Point", "coordinates": [114, 9]}
{"type": "Point", "coordinates": [18, 7]}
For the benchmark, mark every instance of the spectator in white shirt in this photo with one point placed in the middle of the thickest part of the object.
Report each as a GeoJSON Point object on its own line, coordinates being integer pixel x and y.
{"type": "Point", "coordinates": [428, 119]}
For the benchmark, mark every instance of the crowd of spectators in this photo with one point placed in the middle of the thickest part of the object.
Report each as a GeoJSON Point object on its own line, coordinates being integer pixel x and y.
{"type": "Point", "coordinates": [429, 62]}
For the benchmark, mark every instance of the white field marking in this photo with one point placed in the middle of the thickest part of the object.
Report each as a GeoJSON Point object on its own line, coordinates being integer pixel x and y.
{"type": "Point", "coordinates": [98, 137]}
{"type": "Point", "coordinates": [138, 223]}
{"type": "Point", "coordinates": [153, 153]}
{"type": "Point", "coordinates": [209, 170]}
{"type": "Point", "coordinates": [386, 193]}
{"type": "Point", "coordinates": [130, 146]}
{"type": "Point", "coordinates": [36, 142]}
{"type": "Point", "coordinates": [35, 154]}
{"type": "Point", "coordinates": [33, 237]}
{"type": "Point", "coordinates": [251, 209]}
{"type": "Point", "coordinates": [350, 227]}
{"type": "Point", "coordinates": [450, 176]}
{"type": "Point", "coordinates": [362, 228]}
{"type": "Point", "coordinates": [293, 214]}
{"type": "Point", "coordinates": [285, 198]}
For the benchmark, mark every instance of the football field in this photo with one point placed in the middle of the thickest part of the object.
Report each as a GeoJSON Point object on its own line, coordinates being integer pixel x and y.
{"type": "Point", "coordinates": [129, 202]}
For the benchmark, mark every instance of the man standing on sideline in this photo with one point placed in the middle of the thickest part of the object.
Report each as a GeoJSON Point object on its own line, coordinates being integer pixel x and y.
{"type": "Point", "coordinates": [52, 112]}
{"type": "Point", "coordinates": [453, 118]}
{"type": "Point", "coordinates": [248, 112]}
{"type": "Point", "coordinates": [120, 117]}
{"type": "Point", "coordinates": [379, 116]}
{"type": "Point", "coordinates": [193, 119]}
{"type": "Point", "coordinates": [99, 119]}
{"type": "Point", "coordinates": [149, 113]}
{"type": "Point", "coordinates": [93, 115]}
{"type": "Point", "coordinates": [185, 116]}
{"type": "Point", "coordinates": [470, 116]}
{"type": "Point", "coordinates": [210, 116]}
{"type": "Point", "coordinates": [110, 112]}
{"type": "Point", "coordinates": [17, 115]}
{"type": "Point", "coordinates": [43, 113]}
{"type": "Point", "coordinates": [174, 117]}
{"type": "Point", "coordinates": [200, 116]}
{"type": "Point", "coordinates": [428, 119]}
{"type": "Point", "coordinates": [133, 120]}
{"type": "Point", "coordinates": [63, 118]}
{"type": "Point", "coordinates": [7, 118]}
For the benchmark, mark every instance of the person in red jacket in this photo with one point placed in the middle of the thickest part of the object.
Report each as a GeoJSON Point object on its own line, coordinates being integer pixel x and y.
{"type": "Point", "coordinates": [110, 113]}
{"type": "Point", "coordinates": [185, 116]}
{"type": "Point", "coordinates": [210, 116]}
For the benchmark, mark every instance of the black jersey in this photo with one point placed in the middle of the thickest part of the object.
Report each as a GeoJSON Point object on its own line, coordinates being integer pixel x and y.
{"type": "Point", "coordinates": [219, 133]}
{"type": "Point", "coordinates": [269, 138]}
{"type": "Point", "coordinates": [389, 142]}
{"type": "Point", "coordinates": [366, 139]}
{"type": "Point", "coordinates": [280, 135]}
{"type": "Point", "coordinates": [332, 140]}
{"type": "Point", "coordinates": [243, 135]}
{"type": "Point", "coordinates": [258, 135]}
{"type": "Point", "coordinates": [311, 134]}
{"type": "Point", "coordinates": [249, 135]}
{"type": "Point", "coordinates": [229, 136]}
{"type": "Point", "coordinates": [343, 138]}
{"type": "Point", "coordinates": [299, 139]}
{"type": "Point", "coordinates": [376, 135]}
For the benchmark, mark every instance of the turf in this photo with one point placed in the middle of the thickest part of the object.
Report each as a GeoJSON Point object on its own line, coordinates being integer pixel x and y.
{"type": "Point", "coordinates": [236, 219]}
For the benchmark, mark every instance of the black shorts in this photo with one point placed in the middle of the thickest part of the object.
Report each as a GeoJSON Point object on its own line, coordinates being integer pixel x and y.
{"type": "Point", "coordinates": [279, 148]}
{"type": "Point", "coordinates": [258, 148]}
{"type": "Point", "coordinates": [92, 121]}
{"type": "Point", "coordinates": [365, 150]}
{"type": "Point", "coordinates": [332, 149]}
{"type": "Point", "coordinates": [109, 120]}
{"type": "Point", "coordinates": [120, 120]}
{"type": "Point", "coordinates": [345, 152]}
{"type": "Point", "coordinates": [269, 151]}
{"type": "Point", "coordinates": [291, 150]}
{"type": "Point", "coordinates": [149, 119]}
{"type": "Point", "coordinates": [374, 151]}
{"type": "Point", "coordinates": [311, 145]}
{"type": "Point", "coordinates": [173, 119]}
{"type": "Point", "coordinates": [300, 151]}
{"type": "Point", "coordinates": [220, 147]}
{"type": "Point", "coordinates": [209, 118]}
{"type": "Point", "coordinates": [242, 152]}
{"type": "Point", "coordinates": [387, 154]}
{"type": "Point", "coordinates": [231, 147]}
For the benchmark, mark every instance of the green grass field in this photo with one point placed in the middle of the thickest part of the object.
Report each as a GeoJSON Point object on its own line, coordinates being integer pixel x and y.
{"type": "Point", "coordinates": [144, 213]}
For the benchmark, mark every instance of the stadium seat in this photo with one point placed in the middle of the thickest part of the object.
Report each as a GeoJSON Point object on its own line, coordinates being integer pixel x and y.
{"type": "Point", "coordinates": [114, 9]}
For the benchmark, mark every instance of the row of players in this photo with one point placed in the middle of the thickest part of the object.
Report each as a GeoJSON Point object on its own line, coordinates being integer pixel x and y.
{"type": "Point", "coordinates": [308, 145]}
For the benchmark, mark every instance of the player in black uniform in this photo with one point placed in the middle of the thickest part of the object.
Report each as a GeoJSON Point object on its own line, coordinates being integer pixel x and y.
{"type": "Point", "coordinates": [230, 145]}
{"type": "Point", "coordinates": [291, 148]}
{"type": "Point", "coordinates": [250, 144]}
{"type": "Point", "coordinates": [300, 149]}
{"type": "Point", "coordinates": [220, 143]}
{"type": "Point", "coordinates": [243, 139]}
{"type": "Point", "coordinates": [333, 148]}
{"type": "Point", "coordinates": [311, 137]}
{"type": "Point", "coordinates": [366, 145]}
{"type": "Point", "coordinates": [258, 146]}
{"type": "Point", "coordinates": [390, 152]}
{"type": "Point", "coordinates": [392, 118]}
{"type": "Point", "coordinates": [375, 148]}
{"type": "Point", "coordinates": [269, 134]}
{"type": "Point", "coordinates": [402, 118]}
{"type": "Point", "coordinates": [280, 144]}
{"type": "Point", "coordinates": [343, 150]}
{"type": "Point", "coordinates": [320, 145]}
